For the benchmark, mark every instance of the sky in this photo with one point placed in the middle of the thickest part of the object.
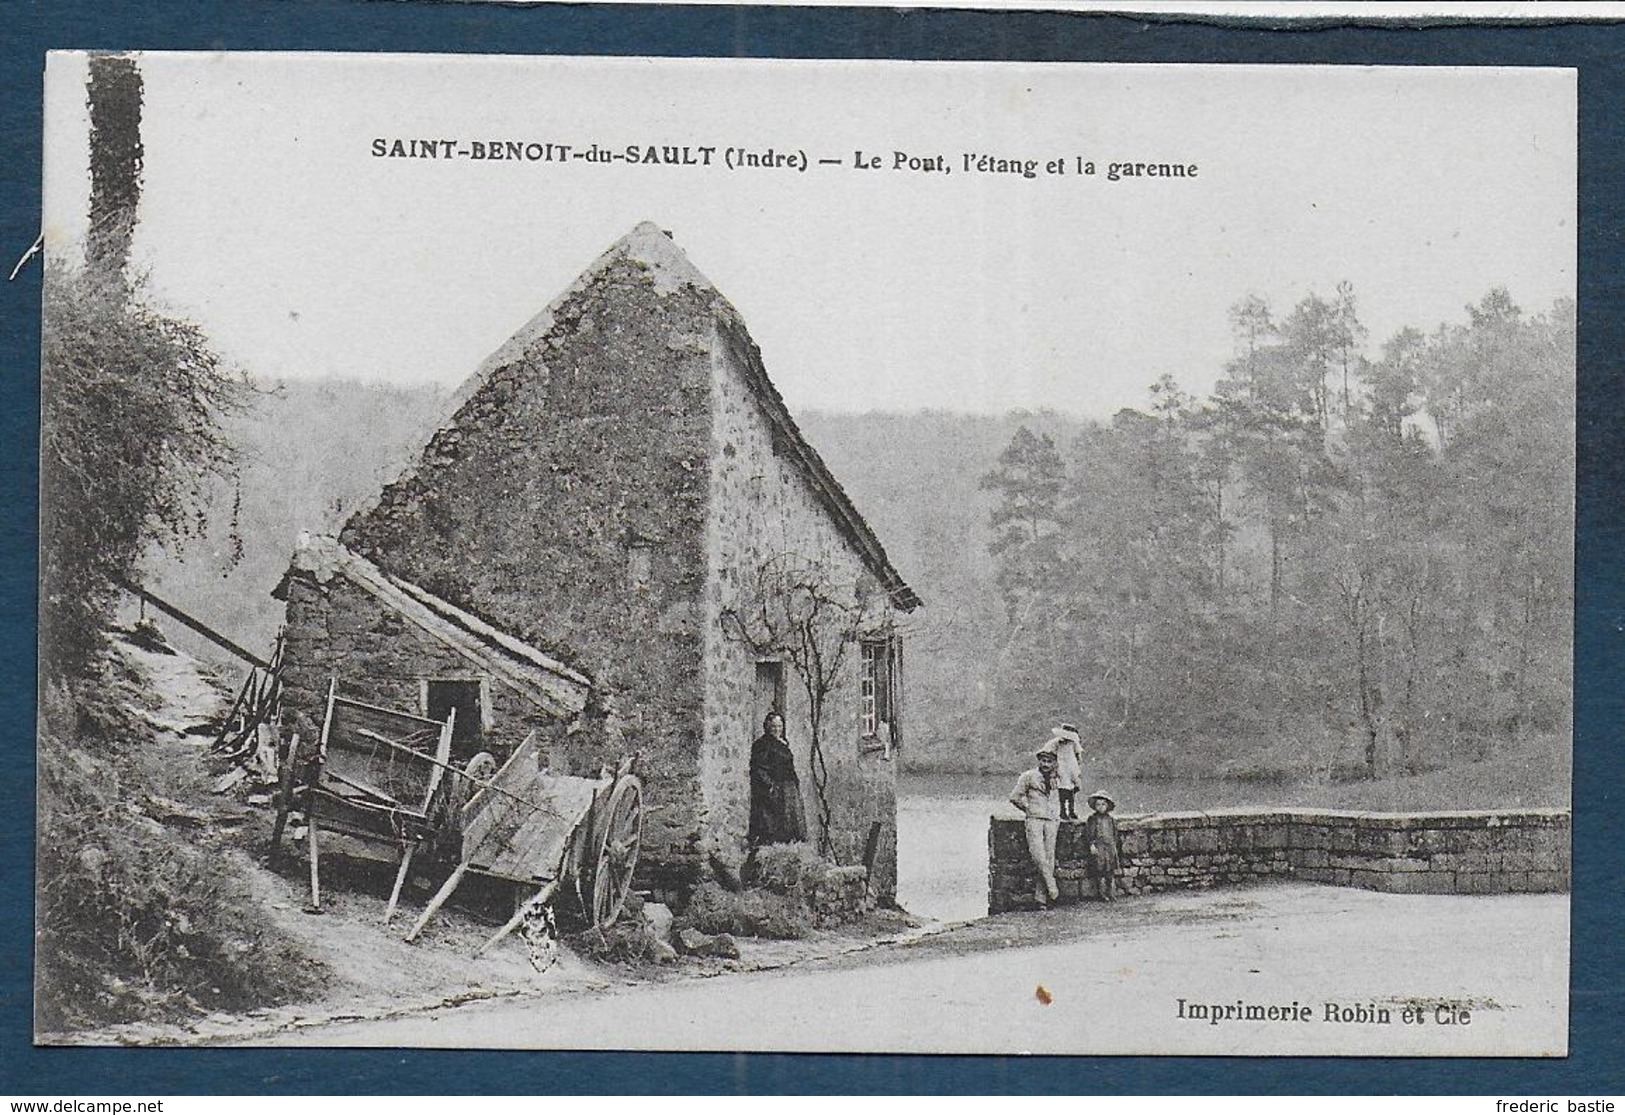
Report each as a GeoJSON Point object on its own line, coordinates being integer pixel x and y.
{"type": "Point", "coordinates": [267, 218]}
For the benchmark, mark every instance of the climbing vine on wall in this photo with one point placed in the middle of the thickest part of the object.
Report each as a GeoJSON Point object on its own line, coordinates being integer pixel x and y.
{"type": "Point", "coordinates": [793, 607]}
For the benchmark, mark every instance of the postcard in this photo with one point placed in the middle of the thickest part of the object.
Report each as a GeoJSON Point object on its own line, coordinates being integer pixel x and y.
{"type": "Point", "coordinates": [678, 554]}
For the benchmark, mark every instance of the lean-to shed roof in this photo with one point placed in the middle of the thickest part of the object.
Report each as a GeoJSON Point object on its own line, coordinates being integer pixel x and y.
{"type": "Point", "coordinates": [543, 679]}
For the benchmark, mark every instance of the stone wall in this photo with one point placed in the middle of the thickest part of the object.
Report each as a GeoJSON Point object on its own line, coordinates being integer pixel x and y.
{"type": "Point", "coordinates": [841, 896]}
{"type": "Point", "coordinates": [1488, 852]}
{"type": "Point", "coordinates": [763, 508]}
{"type": "Point", "coordinates": [830, 894]}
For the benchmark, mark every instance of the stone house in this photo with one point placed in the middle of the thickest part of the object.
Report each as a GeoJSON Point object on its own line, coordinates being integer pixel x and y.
{"type": "Point", "coordinates": [620, 538]}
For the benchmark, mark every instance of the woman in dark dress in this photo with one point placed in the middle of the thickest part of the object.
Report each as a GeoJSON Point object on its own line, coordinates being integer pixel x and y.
{"type": "Point", "coordinates": [776, 815]}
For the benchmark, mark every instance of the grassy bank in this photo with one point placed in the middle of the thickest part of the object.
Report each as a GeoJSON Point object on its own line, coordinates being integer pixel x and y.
{"type": "Point", "coordinates": [142, 911]}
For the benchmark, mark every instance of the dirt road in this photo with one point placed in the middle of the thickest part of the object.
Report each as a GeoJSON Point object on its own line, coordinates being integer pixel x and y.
{"type": "Point", "coordinates": [1485, 976]}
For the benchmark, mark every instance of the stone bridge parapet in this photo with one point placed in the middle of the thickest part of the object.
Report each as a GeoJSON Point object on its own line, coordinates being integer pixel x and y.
{"type": "Point", "coordinates": [1500, 851]}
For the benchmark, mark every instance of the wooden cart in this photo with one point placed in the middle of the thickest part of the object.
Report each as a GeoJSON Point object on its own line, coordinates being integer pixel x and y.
{"type": "Point", "coordinates": [571, 844]}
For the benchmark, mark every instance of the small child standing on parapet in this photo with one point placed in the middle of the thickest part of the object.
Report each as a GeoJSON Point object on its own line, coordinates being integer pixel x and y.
{"type": "Point", "coordinates": [1100, 830]}
{"type": "Point", "coordinates": [1068, 768]}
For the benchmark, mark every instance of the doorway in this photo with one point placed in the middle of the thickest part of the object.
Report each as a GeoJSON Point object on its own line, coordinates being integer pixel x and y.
{"type": "Point", "coordinates": [776, 812]}
{"type": "Point", "coordinates": [467, 696]}
{"type": "Point", "coordinates": [767, 695]}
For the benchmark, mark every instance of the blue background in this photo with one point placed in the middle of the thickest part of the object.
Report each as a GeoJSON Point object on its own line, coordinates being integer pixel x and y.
{"type": "Point", "coordinates": [1597, 50]}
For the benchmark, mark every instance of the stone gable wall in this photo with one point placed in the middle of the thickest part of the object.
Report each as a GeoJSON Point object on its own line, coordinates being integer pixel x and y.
{"type": "Point", "coordinates": [762, 506]}
{"type": "Point", "coordinates": [1484, 852]}
{"type": "Point", "coordinates": [524, 506]}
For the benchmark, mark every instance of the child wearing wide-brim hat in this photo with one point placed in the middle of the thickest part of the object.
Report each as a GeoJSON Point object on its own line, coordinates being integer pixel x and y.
{"type": "Point", "coordinates": [1100, 830]}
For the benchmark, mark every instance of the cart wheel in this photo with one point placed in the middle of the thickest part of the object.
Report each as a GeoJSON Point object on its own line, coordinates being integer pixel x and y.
{"type": "Point", "coordinates": [619, 840]}
{"type": "Point", "coordinates": [454, 792]}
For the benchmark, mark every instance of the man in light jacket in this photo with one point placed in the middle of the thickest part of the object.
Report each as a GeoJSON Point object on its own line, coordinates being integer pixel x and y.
{"type": "Point", "coordinates": [1037, 795]}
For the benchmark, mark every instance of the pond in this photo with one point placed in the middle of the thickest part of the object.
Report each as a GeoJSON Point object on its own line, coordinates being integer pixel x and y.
{"type": "Point", "coordinates": [942, 818]}
{"type": "Point", "coordinates": [942, 828]}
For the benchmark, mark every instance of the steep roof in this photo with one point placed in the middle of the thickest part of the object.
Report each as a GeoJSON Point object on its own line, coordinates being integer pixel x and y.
{"type": "Point", "coordinates": [551, 684]}
{"type": "Point", "coordinates": [669, 269]}
{"type": "Point", "coordinates": [661, 258]}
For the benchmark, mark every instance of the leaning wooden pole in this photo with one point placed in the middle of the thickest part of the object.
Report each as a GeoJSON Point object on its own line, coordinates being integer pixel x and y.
{"type": "Point", "coordinates": [438, 900]}
{"type": "Point", "coordinates": [197, 625]}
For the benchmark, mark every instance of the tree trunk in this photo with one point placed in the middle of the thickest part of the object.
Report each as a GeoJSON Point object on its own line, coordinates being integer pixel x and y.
{"type": "Point", "coordinates": [819, 767]}
{"type": "Point", "coordinates": [1366, 717]}
{"type": "Point", "coordinates": [114, 93]}
{"type": "Point", "coordinates": [1133, 664]}
{"type": "Point", "coordinates": [1413, 632]}
{"type": "Point", "coordinates": [1520, 692]}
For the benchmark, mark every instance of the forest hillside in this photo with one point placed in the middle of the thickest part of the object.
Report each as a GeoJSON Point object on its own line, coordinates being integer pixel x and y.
{"type": "Point", "coordinates": [1353, 560]}
{"type": "Point", "coordinates": [303, 467]}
